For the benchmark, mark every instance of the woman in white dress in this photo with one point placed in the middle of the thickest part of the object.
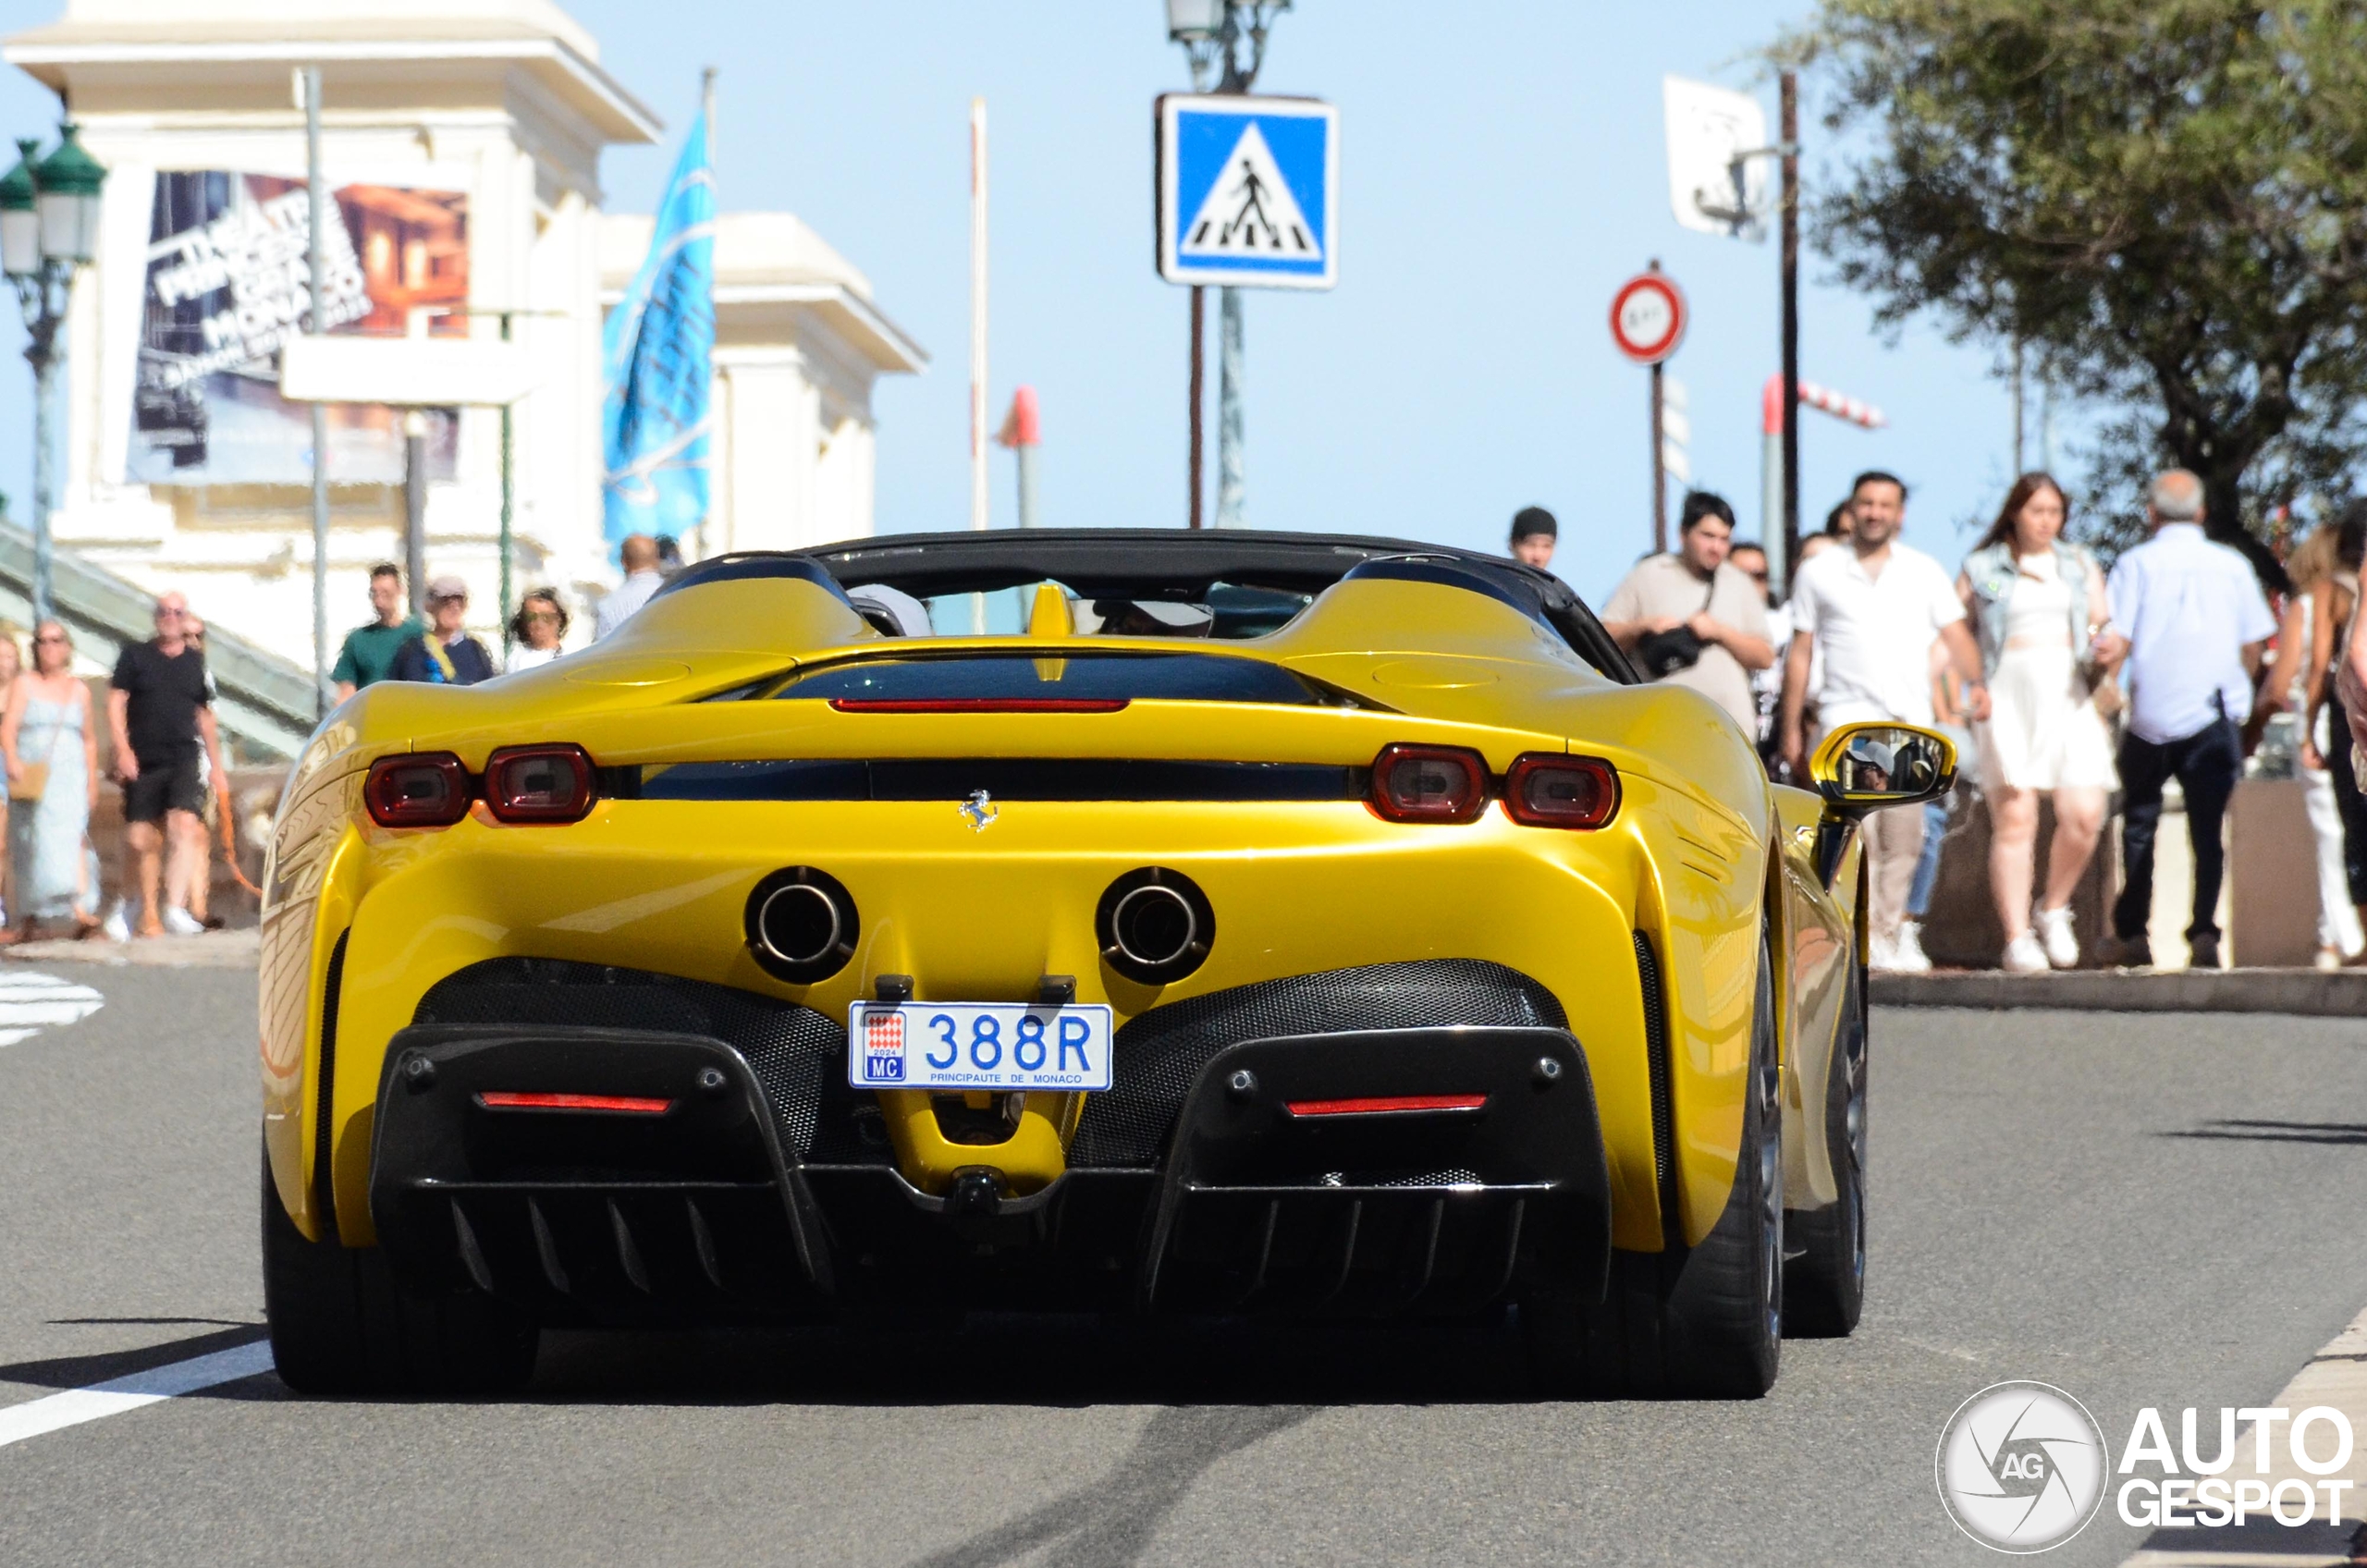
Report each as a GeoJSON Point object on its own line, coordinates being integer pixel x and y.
{"type": "Point", "coordinates": [2036, 602]}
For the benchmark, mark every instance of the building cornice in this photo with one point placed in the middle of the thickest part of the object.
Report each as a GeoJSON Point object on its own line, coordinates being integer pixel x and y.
{"type": "Point", "coordinates": [54, 55]}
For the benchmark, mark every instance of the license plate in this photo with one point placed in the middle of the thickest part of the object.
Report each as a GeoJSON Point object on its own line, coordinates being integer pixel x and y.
{"type": "Point", "coordinates": [978, 1046]}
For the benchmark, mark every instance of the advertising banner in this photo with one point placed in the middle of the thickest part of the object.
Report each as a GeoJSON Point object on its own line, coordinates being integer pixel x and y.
{"type": "Point", "coordinates": [229, 280]}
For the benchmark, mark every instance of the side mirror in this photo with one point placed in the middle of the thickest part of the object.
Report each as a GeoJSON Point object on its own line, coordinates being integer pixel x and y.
{"type": "Point", "coordinates": [1862, 768]}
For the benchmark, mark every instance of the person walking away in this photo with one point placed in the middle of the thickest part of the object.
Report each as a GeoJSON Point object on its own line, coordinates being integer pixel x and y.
{"type": "Point", "coordinates": [2037, 603]}
{"type": "Point", "coordinates": [1870, 606]}
{"type": "Point", "coordinates": [51, 746]}
{"type": "Point", "coordinates": [638, 556]}
{"type": "Point", "coordinates": [445, 655]}
{"type": "Point", "coordinates": [1947, 717]}
{"type": "Point", "coordinates": [160, 722]}
{"type": "Point", "coordinates": [2189, 622]}
{"type": "Point", "coordinates": [2298, 682]}
{"type": "Point", "coordinates": [535, 631]}
{"type": "Point", "coordinates": [1690, 619]}
{"type": "Point", "coordinates": [1533, 537]}
{"type": "Point", "coordinates": [369, 651]}
{"type": "Point", "coordinates": [2337, 647]}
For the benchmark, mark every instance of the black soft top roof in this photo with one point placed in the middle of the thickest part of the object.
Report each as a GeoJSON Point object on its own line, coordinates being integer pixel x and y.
{"type": "Point", "coordinates": [1169, 563]}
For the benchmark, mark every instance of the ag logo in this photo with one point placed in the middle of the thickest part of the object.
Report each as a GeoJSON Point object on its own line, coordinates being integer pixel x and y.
{"type": "Point", "coordinates": [2021, 1467]}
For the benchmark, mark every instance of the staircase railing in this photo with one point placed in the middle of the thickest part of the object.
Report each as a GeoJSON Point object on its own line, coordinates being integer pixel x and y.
{"type": "Point", "coordinates": [267, 702]}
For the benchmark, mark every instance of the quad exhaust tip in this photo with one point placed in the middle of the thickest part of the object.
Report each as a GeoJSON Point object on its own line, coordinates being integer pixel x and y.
{"type": "Point", "coordinates": [1155, 925]}
{"type": "Point", "coordinates": [802, 925]}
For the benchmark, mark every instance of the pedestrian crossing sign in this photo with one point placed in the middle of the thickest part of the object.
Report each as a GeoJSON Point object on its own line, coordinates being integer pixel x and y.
{"type": "Point", "coordinates": [1247, 192]}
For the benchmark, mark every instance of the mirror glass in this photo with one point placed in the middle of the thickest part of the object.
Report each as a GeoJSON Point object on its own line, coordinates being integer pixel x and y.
{"type": "Point", "coordinates": [1879, 762]}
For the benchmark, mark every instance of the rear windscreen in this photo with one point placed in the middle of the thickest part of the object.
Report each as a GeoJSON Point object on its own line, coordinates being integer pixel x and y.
{"type": "Point", "coordinates": [1077, 677]}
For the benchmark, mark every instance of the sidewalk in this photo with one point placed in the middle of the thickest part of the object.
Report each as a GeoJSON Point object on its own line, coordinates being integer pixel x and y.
{"type": "Point", "coordinates": [2306, 992]}
{"type": "Point", "coordinates": [215, 949]}
{"type": "Point", "coordinates": [2336, 1376]}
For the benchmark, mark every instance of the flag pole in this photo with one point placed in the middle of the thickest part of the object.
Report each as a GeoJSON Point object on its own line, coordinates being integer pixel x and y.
{"type": "Point", "coordinates": [978, 337]}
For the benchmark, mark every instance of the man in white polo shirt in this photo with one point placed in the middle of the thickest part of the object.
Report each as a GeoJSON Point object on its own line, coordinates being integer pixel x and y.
{"type": "Point", "coordinates": [1872, 609]}
{"type": "Point", "coordinates": [2189, 619]}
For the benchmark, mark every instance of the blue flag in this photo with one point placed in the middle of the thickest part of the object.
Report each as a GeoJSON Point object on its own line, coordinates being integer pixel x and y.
{"type": "Point", "coordinates": [655, 360]}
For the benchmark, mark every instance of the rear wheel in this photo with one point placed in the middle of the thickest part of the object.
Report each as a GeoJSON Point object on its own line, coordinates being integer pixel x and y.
{"type": "Point", "coordinates": [342, 1323]}
{"type": "Point", "coordinates": [1824, 1282]}
{"type": "Point", "coordinates": [1707, 1320]}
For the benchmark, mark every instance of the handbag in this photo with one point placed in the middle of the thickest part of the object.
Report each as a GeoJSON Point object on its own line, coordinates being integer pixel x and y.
{"type": "Point", "coordinates": [1662, 654]}
{"type": "Point", "coordinates": [32, 777]}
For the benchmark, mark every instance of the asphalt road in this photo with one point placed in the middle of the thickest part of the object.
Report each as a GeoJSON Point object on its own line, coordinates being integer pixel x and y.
{"type": "Point", "coordinates": [2144, 1211]}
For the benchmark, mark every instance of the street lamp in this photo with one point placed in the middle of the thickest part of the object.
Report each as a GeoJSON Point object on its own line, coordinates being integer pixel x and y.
{"type": "Point", "coordinates": [49, 229]}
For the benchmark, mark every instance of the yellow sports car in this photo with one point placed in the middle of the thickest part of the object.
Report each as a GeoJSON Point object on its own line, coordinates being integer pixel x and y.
{"type": "Point", "coordinates": [1277, 923]}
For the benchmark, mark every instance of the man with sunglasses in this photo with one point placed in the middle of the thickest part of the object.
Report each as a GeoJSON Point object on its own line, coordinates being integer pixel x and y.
{"type": "Point", "coordinates": [161, 720]}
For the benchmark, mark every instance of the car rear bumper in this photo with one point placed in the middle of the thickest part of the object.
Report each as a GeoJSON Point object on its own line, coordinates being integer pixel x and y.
{"type": "Point", "coordinates": [725, 1204]}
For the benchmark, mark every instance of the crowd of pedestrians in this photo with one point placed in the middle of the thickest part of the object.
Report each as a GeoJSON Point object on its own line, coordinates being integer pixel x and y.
{"type": "Point", "coordinates": [164, 747]}
{"type": "Point", "coordinates": [2062, 684]}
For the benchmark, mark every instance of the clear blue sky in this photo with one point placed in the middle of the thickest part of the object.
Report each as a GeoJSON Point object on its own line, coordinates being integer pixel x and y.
{"type": "Point", "coordinates": [1501, 170]}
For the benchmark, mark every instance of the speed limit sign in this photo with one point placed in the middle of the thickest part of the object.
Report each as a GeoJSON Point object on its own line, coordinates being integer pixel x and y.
{"type": "Point", "coordinates": [1648, 317]}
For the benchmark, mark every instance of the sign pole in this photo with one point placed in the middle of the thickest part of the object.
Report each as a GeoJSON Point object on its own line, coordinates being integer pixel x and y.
{"type": "Point", "coordinates": [978, 339]}
{"type": "Point", "coordinates": [1790, 138]}
{"type": "Point", "coordinates": [317, 200]}
{"type": "Point", "coordinates": [1199, 380]}
{"type": "Point", "coordinates": [1659, 472]}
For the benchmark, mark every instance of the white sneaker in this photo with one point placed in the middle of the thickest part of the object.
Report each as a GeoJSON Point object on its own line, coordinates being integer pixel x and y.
{"type": "Point", "coordinates": [2329, 960]}
{"type": "Point", "coordinates": [2024, 956]}
{"type": "Point", "coordinates": [115, 928]}
{"type": "Point", "coordinates": [178, 921]}
{"type": "Point", "coordinates": [2054, 932]}
{"type": "Point", "coordinates": [1907, 956]}
{"type": "Point", "coordinates": [1882, 953]}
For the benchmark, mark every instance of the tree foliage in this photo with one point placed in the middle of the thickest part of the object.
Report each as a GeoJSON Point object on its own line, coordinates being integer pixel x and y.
{"type": "Point", "coordinates": [2165, 199]}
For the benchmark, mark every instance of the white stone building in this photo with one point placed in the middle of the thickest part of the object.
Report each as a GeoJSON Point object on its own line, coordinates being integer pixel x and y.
{"type": "Point", "coordinates": [463, 138]}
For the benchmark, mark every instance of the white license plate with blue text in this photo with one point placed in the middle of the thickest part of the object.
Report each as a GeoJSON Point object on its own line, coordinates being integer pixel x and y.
{"type": "Point", "coordinates": [978, 1046]}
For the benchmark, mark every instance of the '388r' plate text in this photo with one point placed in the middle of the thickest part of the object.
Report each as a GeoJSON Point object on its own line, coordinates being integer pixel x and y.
{"type": "Point", "coordinates": [978, 1046]}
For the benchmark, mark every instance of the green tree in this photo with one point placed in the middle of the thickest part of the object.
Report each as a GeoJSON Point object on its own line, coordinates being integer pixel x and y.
{"type": "Point", "coordinates": [2165, 199]}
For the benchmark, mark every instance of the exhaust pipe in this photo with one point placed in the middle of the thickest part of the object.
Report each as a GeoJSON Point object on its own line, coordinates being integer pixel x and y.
{"type": "Point", "coordinates": [1155, 925]}
{"type": "Point", "coordinates": [802, 925]}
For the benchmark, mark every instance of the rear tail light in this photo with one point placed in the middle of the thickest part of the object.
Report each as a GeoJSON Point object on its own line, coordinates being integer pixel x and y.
{"type": "Point", "coordinates": [1429, 784]}
{"type": "Point", "coordinates": [539, 784]}
{"type": "Point", "coordinates": [1544, 790]}
{"type": "Point", "coordinates": [628, 1104]}
{"type": "Point", "coordinates": [417, 789]}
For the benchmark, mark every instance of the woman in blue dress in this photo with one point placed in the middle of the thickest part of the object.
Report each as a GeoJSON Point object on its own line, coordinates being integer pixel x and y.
{"type": "Point", "coordinates": [47, 739]}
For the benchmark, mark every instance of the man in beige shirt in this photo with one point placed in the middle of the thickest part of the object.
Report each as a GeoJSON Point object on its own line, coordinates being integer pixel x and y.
{"type": "Point", "coordinates": [1694, 590]}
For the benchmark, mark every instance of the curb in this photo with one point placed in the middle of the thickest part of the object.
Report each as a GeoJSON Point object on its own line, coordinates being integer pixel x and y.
{"type": "Point", "coordinates": [215, 949]}
{"type": "Point", "coordinates": [2302, 992]}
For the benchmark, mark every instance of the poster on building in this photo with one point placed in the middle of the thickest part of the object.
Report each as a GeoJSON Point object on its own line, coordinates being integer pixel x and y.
{"type": "Point", "coordinates": [229, 280]}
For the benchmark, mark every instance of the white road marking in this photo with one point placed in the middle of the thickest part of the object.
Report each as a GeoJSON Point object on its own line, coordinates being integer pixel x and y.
{"type": "Point", "coordinates": [30, 1001]}
{"type": "Point", "coordinates": [35, 1418]}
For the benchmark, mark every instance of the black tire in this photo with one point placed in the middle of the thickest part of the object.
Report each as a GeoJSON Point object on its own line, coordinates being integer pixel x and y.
{"type": "Point", "coordinates": [341, 1323]}
{"type": "Point", "coordinates": [1824, 1279]}
{"type": "Point", "coordinates": [1705, 1321]}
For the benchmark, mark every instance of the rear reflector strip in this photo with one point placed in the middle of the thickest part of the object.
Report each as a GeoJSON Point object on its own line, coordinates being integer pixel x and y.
{"type": "Point", "coordinates": [630, 1105]}
{"type": "Point", "coordinates": [1386, 1104]}
{"type": "Point", "coordinates": [979, 704]}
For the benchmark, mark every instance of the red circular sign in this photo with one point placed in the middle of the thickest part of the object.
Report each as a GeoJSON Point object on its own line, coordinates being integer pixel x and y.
{"type": "Point", "coordinates": [1648, 317]}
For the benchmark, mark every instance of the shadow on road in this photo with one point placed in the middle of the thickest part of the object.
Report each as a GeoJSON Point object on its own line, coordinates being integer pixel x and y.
{"type": "Point", "coordinates": [82, 1371]}
{"type": "Point", "coordinates": [1112, 1520]}
{"type": "Point", "coordinates": [999, 1359]}
{"type": "Point", "coordinates": [2350, 1132]}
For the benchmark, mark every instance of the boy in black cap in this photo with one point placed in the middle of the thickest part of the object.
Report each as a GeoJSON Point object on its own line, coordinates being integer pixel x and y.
{"type": "Point", "coordinates": [1533, 532]}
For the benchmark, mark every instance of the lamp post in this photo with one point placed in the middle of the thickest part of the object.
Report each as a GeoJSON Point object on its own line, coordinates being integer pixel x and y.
{"type": "Point", "coordinates": [1213, 33]}
{"type": "Point", "coordinates": [49, 229]}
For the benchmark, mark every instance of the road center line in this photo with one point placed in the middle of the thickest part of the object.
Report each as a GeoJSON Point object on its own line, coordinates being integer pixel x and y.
{"type": "Point", "coordinates": [75, 1406]}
